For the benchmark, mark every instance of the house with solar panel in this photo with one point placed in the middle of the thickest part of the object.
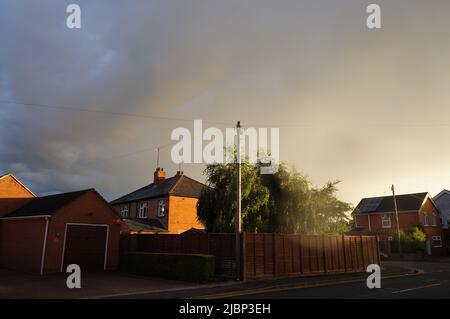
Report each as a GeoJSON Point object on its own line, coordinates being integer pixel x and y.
{"type": "Point", "coordinates": [376, 216]}
{"type": "Point", "coordinates": [168, 205]}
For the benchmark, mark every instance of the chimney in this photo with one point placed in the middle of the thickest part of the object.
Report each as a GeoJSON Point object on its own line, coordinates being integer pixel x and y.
{"type": "Point", "coordinates": [159, 175]}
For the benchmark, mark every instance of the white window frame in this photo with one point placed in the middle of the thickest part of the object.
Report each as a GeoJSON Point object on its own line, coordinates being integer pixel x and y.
{"type": "Point", "coordinates": [433, 220]}
{"type": "Point", "coordinates": [436, 238]}
{"type": "Point", "coordinates": [385, 219]}
{"type": "Point", "coordinates": [162, 208]}
{"type": "Point", "coordinates": [124, 211]}
{"type": "Point", "coordinates": [424, 214]}
{"type": "Point", "coordinates": [143, 210]}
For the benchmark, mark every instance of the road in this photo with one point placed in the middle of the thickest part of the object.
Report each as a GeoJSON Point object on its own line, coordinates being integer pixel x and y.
{"type": "Point", "coordinates": [434, 283]}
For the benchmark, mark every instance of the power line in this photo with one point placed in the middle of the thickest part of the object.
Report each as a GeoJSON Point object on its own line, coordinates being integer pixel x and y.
{"type": "Point", "coordinates": [229, 124]}
{"type": "Point", "coordinates": [104, 112]}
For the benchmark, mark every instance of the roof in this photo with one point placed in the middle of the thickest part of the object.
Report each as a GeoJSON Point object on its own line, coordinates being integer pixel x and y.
{"type": "Point", "coordinates": [384, 204]}
{"type": "Point", "coordinates": [178, 185]}
{"type": "Point", "coordinates": [142, 225]}
{"type": "Point", "coordinates": [443, 192]}
{"type": "Point", "coordinates": [195, 231]}
{"type": "Point", "coordinates": [19, 182]}
{"type": "Point", "coordinates": [47, 205]}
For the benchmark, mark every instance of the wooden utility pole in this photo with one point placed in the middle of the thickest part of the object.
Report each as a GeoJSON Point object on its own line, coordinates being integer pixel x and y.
{"type": "Point", "coordinates": [237, 218]}
{"type": "Point", "coordinates": [396, 220]}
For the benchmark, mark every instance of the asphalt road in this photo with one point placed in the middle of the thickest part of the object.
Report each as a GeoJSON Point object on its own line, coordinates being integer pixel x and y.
{"type": "Point", "coordinates": [434, 283]}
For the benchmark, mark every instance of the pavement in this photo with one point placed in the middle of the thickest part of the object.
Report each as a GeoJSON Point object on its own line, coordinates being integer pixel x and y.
{"type": "Point", "coordinates": [399, 280]}
{"type": "Point", "coordinates": [93, 285]}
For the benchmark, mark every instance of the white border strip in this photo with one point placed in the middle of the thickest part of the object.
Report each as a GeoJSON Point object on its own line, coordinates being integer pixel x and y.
{"type": "Point", "coordinates": [44, 246]}
{"type": "Point", "coordinates": [25, 217]}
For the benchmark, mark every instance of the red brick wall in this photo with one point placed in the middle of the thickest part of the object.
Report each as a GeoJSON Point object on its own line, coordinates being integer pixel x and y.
{"type": "Point", "coordinates": [88, 209]}
{"type": "Point", "coordinates": [406, 221]}
{"type": "Point", "coordinates": [183, 214]}
{"type": "Point", "coordinates": [429, 209]}
{"type": "Point", "coordinates": [21, 243]}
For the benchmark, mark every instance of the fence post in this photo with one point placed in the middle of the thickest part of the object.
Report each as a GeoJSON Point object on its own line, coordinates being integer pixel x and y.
{"type": "Point", "coordinates": [377, 238]}
{"type": "Point", "coordinates": [244, 256]}
{"type": "Point", "coordinates": [345, 254]}
{"type": "Point", "coordinates": [254, 254]}
{"type": "Point", "coordinates": [275, 270]}
{"type": "Point", "coordinates": [362, 252]}
{"type": "Point", "coordinates": [324, 254]}
{"type": "Point", "coordinates": [300, 253]}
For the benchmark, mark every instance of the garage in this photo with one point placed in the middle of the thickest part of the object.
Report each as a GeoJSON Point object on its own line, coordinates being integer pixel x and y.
{"type": "Point", "coordinates": [86, 246]}
{"type": "Point", "coordinates": [47, 233]}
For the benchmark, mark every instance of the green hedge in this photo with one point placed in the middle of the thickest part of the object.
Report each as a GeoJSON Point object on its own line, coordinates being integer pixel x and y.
{"type": "Point", "coordinates": [187, 267]}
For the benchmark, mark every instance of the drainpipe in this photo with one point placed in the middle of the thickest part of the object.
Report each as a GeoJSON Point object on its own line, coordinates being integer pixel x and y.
{"type": "Point", "coordinates": [44, 247]}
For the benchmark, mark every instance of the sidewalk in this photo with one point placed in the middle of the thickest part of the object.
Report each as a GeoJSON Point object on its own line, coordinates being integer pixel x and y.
{"type": "Point", "coordinates": [18, 285]}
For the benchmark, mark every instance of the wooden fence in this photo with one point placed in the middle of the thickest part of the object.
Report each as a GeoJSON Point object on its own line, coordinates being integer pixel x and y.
{"type": "Point", "coordinates": [219, 245]}
{"type": "Point", "coordinates": [267, 255]}
{"type": "Point", "coordinates": [272, 255]}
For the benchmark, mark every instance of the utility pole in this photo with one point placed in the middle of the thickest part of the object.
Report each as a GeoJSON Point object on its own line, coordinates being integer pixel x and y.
{"type": "Point", "coordinates": [396, 219]}
{"type": "Point", "coordinates": [237, 218]}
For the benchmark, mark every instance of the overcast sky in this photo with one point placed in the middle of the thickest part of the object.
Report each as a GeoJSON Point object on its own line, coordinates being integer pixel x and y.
{"type": "Point", "coordinates": [368, 107]}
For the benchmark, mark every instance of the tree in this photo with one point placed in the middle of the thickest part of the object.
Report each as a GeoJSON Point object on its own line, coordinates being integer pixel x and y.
{"type": "Point", "coordinates": [217, 204]}
{"type": "Point", "coordinates": [284, 202]}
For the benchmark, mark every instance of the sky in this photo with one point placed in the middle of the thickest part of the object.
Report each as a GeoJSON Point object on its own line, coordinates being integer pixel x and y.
{"type": "Point", "coordinates": [367, 107]}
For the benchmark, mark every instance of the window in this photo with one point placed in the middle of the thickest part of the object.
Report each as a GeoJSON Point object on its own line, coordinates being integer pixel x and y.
{"type": "Point", "coordinates": [386, 221]}
{"type": "Point", "coordinates": [143, 210]}
{"type": "Point", "coordinates": [161, 208]}
{"type": "Point", "coordinates": [433, 220]}
{"type": "Point", "coordinates": [436, 241]}
{"type": "Point", "coordinates": [124, 211]}
{"type": "Point", "coordinates": [424, 219]}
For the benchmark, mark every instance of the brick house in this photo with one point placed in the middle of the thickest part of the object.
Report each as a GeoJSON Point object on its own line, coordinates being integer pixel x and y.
{"type": "Point", "coordinates": [168, 205]}
{"type": "Point", "coordinates": [376, 216]}
{"type": "Point", "coordinates": [442, 201]}
{"type": "Point", "coordinates": [13, 193]}
{"type": "Point", "coordinates": [45, 234]}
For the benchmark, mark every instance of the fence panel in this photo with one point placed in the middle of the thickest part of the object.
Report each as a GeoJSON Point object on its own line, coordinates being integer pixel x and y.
{"type": "Point", "coordinates": [266, 255]}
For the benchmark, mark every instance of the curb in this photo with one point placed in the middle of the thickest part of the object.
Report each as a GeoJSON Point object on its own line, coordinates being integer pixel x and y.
{"type": "Point", "coordinates": [321, 283]}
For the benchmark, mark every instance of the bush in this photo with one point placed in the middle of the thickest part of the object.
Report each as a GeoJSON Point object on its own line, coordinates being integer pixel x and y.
{"type": "Point", "coordinates": [187, 267]}
{"type": "Point", "coordinates": [411, 242]}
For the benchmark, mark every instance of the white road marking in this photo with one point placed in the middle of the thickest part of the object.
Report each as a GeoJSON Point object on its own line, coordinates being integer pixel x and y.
{"type": "Point", "coordinates": [415, 288]}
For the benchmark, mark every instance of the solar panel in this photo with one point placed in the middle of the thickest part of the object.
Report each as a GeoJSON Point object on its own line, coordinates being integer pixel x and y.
{"type": "Point", "coordinates": [370, 204]}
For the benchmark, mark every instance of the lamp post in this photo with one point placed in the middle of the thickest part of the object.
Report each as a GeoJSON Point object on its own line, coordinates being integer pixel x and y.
{"type": "Point", "coordinates": [237, 218]}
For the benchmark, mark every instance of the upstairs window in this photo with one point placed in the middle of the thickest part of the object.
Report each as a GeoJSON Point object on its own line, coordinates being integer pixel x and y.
{"type": "Point", "coordinates": [162, 208]}
{"type": "Point", "coordinates": [143, 210]}
{"type": "Point", "coordinates": [424, 219]}
{"type": "Point", "coordinates": [386, 222]}
{"type": "Point", "coordinates": [433, 220]}
{"type": "Point", "coordinates": [124, 212]}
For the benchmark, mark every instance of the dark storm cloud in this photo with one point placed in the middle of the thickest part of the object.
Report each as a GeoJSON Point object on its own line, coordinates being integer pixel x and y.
{"type": "Point", "coordinates": [267, 62]}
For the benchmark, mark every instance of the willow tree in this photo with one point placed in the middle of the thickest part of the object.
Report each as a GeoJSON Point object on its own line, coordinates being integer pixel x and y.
{"type": "Point", "coordinates": [284, 202]}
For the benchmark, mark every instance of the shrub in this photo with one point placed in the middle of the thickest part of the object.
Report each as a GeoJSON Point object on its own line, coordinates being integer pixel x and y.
{"type": "Point", "coordinates": [187, 267]}
{"type": "Point", "coordinates": [411, 242]}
